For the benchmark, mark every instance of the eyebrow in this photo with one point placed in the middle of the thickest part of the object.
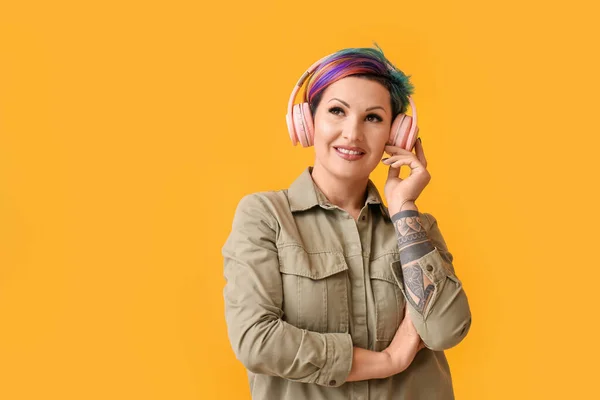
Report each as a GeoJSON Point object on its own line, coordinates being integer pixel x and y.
{"type": "Point", "coordinates": [348, 105]}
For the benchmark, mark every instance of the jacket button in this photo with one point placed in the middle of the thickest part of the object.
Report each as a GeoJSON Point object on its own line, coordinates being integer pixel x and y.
{"type": "Point", "coordinates": [332, 382]}
{"type": "Point", "coordinates": [429, 268]}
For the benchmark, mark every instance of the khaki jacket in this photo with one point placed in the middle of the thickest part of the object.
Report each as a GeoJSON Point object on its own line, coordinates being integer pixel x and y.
{"type": "Point", "coordinates": [305, 283]}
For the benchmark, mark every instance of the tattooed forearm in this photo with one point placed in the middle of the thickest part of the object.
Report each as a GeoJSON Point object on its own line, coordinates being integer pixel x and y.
{"type": "Point", "coordinates": [418, 287]}
{"type": "Point", "coordinates": [413, 243]}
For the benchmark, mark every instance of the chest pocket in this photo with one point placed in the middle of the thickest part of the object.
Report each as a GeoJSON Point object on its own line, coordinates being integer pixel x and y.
{"type": "Point", "coordinates": [315, 289]}
{"type": "Point", "coordinates": [388, 297]}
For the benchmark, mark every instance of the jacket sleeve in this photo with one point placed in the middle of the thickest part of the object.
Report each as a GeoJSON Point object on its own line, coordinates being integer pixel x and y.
{"type": "Point", "coordinates": [260, 338]}
{"type": "Point", "coordinates": [447, 319]}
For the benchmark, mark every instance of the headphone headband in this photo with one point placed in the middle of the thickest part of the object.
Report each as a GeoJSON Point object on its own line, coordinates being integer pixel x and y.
{"type": "Point", "coordinates": [300, 82]}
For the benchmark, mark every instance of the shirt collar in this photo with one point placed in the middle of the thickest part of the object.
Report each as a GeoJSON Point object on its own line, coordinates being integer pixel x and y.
{"type": "Point", "coordinates": [304, 194]}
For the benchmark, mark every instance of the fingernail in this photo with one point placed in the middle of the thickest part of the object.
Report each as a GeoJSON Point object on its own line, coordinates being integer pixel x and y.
{"type": "Point", "coordinates": [384, 160]}
{"type": "Point", "coordinates": [420, 140]}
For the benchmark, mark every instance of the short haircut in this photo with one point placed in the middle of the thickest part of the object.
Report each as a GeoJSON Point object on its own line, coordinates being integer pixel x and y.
{"type": "Point", "coordinates": [366, 62]}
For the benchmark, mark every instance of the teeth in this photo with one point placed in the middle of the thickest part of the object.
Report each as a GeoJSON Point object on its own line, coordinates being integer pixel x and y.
{"type": "Point", "coordinates": [348, 151]}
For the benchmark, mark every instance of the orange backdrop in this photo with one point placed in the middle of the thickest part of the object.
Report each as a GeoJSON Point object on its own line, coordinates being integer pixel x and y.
{"type": "Point", "coordinates": [130, 130]}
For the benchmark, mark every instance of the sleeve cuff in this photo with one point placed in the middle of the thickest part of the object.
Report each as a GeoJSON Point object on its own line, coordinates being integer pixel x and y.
{"type": "Point", "coordinates": [435, 266]}
{"type": "Point", "coordinates": [432, 264]}
{"type": "Point", "coordinates": [338, 361]}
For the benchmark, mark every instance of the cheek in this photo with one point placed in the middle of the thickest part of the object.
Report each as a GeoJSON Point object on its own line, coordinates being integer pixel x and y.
{"type": "Point", "coordinates": [325, 132]}
{"type": "Point", "coordinates": [380, 140]}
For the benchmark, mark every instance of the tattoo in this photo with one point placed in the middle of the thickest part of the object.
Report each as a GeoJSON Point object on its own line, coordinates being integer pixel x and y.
{"type": "Point", "coordinates": [414, 243]}
{"type": "Point", "coordinates": [419, 295]}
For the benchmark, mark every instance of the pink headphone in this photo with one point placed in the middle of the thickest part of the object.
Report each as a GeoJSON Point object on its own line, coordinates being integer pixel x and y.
{"type": "Point", "coordinates": [300, 125]}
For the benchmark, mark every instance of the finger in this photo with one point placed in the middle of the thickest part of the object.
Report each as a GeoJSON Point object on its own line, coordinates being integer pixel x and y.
{"type": "Point", "coordinates": [420, 153]}
{"type": "Point", "coordinates": [395, 158]}
{"type": "Point", "coordinates": [412, 162]}
{"type": "Point", "coordinates": [394, 150]}
{"type": "Point", "coordinates": [399, 163]}
{"type": "Point", "coordinates": [394, 173]}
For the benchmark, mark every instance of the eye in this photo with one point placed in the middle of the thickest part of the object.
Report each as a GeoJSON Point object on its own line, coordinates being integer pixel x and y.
{"type": "Point", "coordinates": [336, 110]}
{"type": "Point", "coordinates": [377, 118]}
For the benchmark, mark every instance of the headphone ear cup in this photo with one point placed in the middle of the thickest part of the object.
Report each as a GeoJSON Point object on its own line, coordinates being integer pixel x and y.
{"type": "Point", "coordinates": [395, 132]}
{"type": "Point", "coordinates": [410, 143]}
{"type": "Point", "coordinates": [308, 124]}
{"type": "Point", "coordinates": [303, 124]}
{"type": "Point", "coordinates": [400, 132]}
{"type": "Point", "coordinates": [290, 126]}
{"type": "Point", "coordinates": [299, 123]}
{"type": "Point", "coordinates": [404, 132]}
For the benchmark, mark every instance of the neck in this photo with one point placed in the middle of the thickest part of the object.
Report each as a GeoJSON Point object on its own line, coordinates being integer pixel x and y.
{"type": "Point", "coordinates": [348, 195]}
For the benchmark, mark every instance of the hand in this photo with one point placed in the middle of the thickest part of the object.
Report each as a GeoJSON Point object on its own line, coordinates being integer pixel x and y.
{"type": "Point", "coordinates": [405, 344]}
{"type": "Point", "coordinates": [396, 189]}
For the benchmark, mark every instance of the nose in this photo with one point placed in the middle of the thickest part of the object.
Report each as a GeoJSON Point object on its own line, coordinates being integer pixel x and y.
{"type": "Point", "coordinates": [353, 130]}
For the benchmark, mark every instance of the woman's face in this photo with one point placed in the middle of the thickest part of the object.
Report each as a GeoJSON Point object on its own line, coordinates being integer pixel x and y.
{"type": "Point", "coordinates": [352, 126]}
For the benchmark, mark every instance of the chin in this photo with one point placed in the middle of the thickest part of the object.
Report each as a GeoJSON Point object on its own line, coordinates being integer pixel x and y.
{"type": "Point", "coordinates": [349, 170]}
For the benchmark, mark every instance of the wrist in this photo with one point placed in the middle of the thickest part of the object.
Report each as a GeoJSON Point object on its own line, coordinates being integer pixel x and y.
{"type": "Point", "coordinates": [392, 363]}
{"type": "Point", "coordinates": [395, 208]}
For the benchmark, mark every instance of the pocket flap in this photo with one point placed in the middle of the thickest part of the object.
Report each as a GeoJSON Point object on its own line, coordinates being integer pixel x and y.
{"type": "Point", "coordinates": [381, 267]}
{"type": "Point", "coordinates": [314, 265]}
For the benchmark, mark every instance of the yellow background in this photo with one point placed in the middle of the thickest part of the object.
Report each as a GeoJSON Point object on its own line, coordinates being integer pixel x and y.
{"type": "Point", "coordinates": [130, 130]}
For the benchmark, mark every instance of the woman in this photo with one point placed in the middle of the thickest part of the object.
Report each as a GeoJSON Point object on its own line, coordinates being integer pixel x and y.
{"type": "Point", "coordinates": [320, 276]}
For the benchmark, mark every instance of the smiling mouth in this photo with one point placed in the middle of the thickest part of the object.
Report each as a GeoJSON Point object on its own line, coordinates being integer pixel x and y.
{"type": "Point", "coordinates": [349, 155]}
{"type": "Point", "coordinates": [349, 152]}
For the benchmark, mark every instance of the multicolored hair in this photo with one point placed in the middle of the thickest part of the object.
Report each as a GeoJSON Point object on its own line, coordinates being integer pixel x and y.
{"type": "Point", "coordinates": [364, 62]}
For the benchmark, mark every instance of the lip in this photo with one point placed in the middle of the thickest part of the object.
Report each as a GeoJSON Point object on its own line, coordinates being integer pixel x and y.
{"type": "Point", "coordinates": [350, 148]}
{"type": "Point", "coordinates": [349, 157]}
